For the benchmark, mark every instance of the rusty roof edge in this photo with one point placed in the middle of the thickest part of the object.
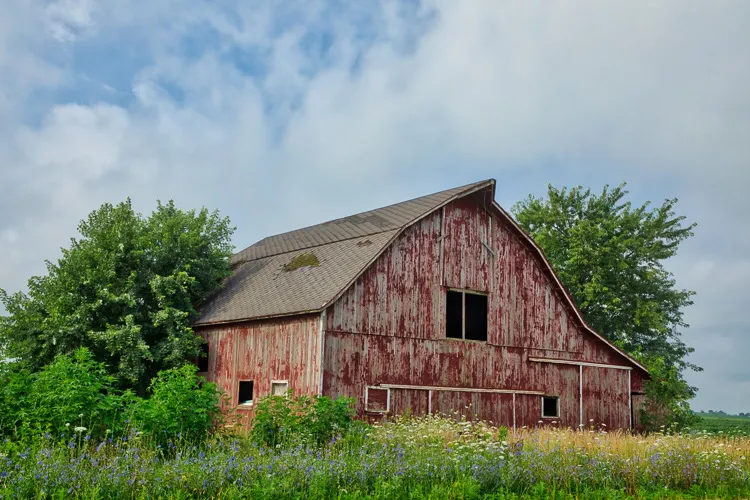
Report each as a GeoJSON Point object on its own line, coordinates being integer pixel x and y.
{"type": "Point", "coordinates": [476, 187]}
{"type": "Point", "coordinates": [303, 312]}
{"type": "Point", "coordinates": [560, 284]}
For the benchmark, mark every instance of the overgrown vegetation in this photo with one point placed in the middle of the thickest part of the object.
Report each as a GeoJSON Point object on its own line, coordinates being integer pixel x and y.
{"type": "Point", "coordinates": [425, 457]}
{"type": "Point", "coordinates": [282, 420]}
{"type": "Point", "coordinates": [75, 395]}
{"type": "Point", "coordinates": [126, 290]}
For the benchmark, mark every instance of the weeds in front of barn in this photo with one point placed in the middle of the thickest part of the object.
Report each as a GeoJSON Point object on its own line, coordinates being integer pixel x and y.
{"type": "Point", "coordinates": [424, 457]}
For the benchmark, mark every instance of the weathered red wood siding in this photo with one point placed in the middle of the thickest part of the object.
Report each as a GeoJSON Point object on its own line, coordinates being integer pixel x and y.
{"type": "Point", "coordinates": [262, 351]}
{"type": "Point", "coordinates": [388, 328]}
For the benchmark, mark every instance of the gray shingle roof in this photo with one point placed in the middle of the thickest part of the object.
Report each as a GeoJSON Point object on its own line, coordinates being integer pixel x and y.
{"type": "Point", "coordinates": [260, 286]}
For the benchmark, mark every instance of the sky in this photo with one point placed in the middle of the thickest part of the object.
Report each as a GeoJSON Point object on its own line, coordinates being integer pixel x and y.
{"type": "Point", "coordinates": [286, 114]}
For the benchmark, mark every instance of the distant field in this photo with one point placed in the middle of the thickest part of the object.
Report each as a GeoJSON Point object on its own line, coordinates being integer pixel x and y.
{"type": "Point", "coordinates": [723, 423]}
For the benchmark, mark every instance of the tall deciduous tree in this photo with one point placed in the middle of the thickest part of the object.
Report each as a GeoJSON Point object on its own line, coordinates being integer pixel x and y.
{"type": "Point", "coordinates": [126, 289]}
{"type": "Point", "coordinates": [610, 255]}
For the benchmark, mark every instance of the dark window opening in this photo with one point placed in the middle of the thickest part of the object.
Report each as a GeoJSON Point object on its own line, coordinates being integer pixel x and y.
{"type": "Point", "coordinates": [550, 408]}
{"type": "Point", "coordinates": [476, 316]}
{"type": "Point", "coordinates": [454, 315]}
{"type": "Point", "coordinates": [245, 392]}
{"type": "Point", "coordinates": [466, 315]}
{"type": "Point", "coordinates": [203, 358]}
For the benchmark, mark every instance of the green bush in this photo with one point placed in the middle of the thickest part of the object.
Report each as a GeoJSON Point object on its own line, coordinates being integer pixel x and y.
{"type": "Point", "coordinates": [72, 394]}
{"type": "Point", "coordinates": [282, 420]}
{"type": "Point", "coordinates": [181, 406]}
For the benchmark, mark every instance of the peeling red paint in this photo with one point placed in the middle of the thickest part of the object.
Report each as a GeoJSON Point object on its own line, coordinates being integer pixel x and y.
{"type": "Point", "coordinates": [389, 328]}
{"type": "Point", "coordinates": [262, 351]}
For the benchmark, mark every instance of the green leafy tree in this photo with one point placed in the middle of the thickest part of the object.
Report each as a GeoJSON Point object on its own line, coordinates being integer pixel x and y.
{"type": "Point", "coordinates": [127, 290]}
{"type": "Point", "coordinates": [610, 255]}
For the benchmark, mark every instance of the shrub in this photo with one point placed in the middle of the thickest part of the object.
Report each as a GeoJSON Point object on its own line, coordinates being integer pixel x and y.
{"type": "Point", "coordinates": [181, 406]}
{"type": "Point", "coordinates": [72, 391]}
{"type": "Point", "coordinates": [282, 420]}
{"type": "Point", "coordinates": [15, 383]}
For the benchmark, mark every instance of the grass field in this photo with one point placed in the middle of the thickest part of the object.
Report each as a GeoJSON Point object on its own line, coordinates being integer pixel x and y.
{"type": "Point", "coordinates": [723, 423]}
{"type": "Point", "coordinates": [427, 457]}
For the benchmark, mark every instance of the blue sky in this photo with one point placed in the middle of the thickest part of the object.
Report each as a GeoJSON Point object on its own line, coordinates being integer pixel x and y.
{"type": "Point", "coordinates": [287, 116]}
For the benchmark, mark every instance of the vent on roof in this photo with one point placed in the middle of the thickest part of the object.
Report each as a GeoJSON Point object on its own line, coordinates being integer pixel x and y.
{"type": "Point", "coordinates": [364, 243]}
{"type": "Point", "coordinates": [302, 260]}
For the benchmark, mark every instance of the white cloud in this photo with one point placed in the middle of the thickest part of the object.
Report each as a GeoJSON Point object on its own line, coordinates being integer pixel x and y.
{"type": "Point", "coordinates": [69, 19]}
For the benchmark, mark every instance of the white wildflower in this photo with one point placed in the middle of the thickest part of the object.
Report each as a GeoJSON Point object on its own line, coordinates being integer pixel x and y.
{"type": "Point", "coordinates": [79, 429]}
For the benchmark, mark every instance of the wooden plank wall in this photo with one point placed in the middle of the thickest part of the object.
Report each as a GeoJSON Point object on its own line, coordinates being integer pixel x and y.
{"type": "Point", "coordinates": [388, 328]}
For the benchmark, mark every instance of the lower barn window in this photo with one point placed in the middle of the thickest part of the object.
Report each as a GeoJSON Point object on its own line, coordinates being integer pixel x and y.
{"type": "Point", "coordinates": [203, 358]}
{"type": "Point", "coordinates": [465, 315]}
{"type": "Point", "coordinates": [377, 400]}
{"type": "Point", "coordinates": [279, 387]}
{"type": "Point", "coordinates": [550, 407]}
{"type": "Point", "coordinates": [245, 392]}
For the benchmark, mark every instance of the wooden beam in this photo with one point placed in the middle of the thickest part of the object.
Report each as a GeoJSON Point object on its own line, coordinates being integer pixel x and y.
{"type": "Point", "coordinates": [578, 363]}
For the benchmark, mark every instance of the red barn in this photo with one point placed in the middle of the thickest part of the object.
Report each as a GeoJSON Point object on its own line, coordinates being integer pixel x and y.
{"type": "Point", "coordinates": [437, 304]}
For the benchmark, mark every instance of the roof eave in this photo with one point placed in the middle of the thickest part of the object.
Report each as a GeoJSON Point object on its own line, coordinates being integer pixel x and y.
{"type": "Point", "coordinates": [258, 318]}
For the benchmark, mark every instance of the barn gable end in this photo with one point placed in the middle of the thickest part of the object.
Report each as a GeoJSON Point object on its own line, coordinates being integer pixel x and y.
{"type": "Point", "coordinates": [389, 329]}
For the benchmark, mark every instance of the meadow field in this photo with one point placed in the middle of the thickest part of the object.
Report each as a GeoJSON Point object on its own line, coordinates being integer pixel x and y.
{"type": "Point", "coordinates": [426, 457]}
{"type": "Point", "coordinates": [725, 424]}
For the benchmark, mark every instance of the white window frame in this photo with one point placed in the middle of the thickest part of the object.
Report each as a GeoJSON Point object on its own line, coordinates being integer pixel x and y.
{"type": "Point", "coordinates": [245, 403]}
{"type": "Point", "coordinates": [285, 382]}
{"type": "Point", "coordinates": [557, 405]}
{"type": "Point", "coordinates": [387, 399]}
{"type": "Point", "coordinates": [463, 293]}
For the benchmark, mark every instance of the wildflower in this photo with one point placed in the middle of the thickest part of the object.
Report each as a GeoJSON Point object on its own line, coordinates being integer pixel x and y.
{"type": "Point", "coordinates": [80, 415]}
{"type": "Point", "coordinates": [79, 429]}
{"type": "Point", "coordinates": [67, 425]}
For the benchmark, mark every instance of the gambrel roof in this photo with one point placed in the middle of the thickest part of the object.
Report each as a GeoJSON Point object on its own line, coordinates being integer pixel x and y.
{"type": "Point", "coordinates": [261, 287]}
{"type": "Point", "coordinates": [306, 270]}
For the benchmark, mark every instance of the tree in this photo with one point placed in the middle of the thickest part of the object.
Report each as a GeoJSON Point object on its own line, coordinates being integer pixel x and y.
{"type": "Point", "coordinates": [610, 255]}
{"type": "Point", "coordinates": [127, 290]}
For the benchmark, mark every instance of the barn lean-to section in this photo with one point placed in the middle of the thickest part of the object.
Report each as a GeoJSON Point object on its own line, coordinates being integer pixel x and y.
{"type": "Point", "coordinates": [439, 304]}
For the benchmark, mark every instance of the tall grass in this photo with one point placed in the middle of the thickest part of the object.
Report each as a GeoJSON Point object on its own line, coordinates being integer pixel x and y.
{"type": "Point", "coordinates": [425, 457]}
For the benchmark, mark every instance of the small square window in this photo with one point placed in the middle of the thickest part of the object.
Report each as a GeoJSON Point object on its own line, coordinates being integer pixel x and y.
{"type": "Point", "coordinates": [550, 407]}
{"type": "Point", "coordinates": [279, 387]}
{"type": "Point", "coordinates": [377, 400]}
{"type": "Point", "coordinates": [245, 392]}
{"type": "Point", "coordinates": [203, 358]}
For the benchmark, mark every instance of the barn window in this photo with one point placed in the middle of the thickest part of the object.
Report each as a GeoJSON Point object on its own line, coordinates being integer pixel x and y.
{"type": "Point", "coordinates": [465, 315]}
{"type": "Point", "coordinates": [550, 407]}
{"type": "Point", "coordinates": [203, 358]}
{"type": "Point", "coordinates": [245, 391]}
{"type": "Point", "coordinates": [377, 399]}
{"type": "Point", "coordinates": [279, 387]}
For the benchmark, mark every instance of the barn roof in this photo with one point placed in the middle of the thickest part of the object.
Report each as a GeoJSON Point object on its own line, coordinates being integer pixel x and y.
{"type": "Point", "coordinates": [304, 270]}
